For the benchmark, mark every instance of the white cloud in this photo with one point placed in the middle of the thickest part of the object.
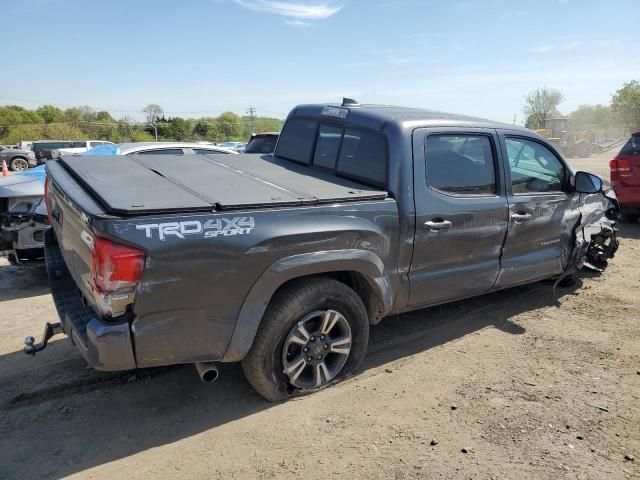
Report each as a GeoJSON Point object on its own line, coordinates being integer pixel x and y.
{"type": "Point", "coordinates": [297, 23]}
{"type": "Point", "coordinates": [297, 10]}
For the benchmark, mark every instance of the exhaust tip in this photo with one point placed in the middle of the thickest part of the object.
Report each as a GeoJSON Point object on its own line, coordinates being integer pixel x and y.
{"type": "Point", "coordinates": [208, 371]}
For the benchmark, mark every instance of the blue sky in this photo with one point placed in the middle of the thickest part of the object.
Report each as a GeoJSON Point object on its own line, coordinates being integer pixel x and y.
{"type": "Point", "coordinates": [202, 57]}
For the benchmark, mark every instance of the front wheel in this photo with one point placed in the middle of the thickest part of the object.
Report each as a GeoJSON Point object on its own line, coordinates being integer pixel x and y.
{"type": "Point", "coordinates": [19, 164]}
{"type": "Point", "coordinates": [313, 334]}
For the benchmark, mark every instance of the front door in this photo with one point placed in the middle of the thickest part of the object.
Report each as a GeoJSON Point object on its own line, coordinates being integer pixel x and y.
{"type": "Point", "coordinates": [542, 212]}
{"type": "Point", "coordinates": [461, 214]}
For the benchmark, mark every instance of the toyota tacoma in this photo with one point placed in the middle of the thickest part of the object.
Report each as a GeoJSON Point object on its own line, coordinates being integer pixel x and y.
{"type": "Point", "coordinates": [284, 261]}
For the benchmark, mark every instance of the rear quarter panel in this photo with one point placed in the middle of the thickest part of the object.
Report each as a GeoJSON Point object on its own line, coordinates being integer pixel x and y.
{"type": "Point", "coordinates": [194, 282]}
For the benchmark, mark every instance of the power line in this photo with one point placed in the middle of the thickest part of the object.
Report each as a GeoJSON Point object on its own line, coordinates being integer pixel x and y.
{"type": "Point", "coordinates": [251, 111]}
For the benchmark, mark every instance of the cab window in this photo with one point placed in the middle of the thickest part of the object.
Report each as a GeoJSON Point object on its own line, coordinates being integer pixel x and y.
{"type": "Point", "coordinates": [534, 168]}
{"type": "Point", "coordinates": [461, 164]}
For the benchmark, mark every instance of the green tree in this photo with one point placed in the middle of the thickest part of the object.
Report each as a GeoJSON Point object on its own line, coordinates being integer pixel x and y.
{"type": "Point", "coordinates": [104, 116]}
{"type": "Point", "coordinates": [229, 125]}
{"type": "Point", "coordinates": [626, 104]}
{"type": "Point", "coordinates": [180, 129]}
{"type": "Point", "coordinates": [73, 115]}
{"type": "Point", "coordinates": [42, 132]}
{"type": "Point", "coordinates": [50, 114]}
{"type": "Point", "coordinates": [540, 104]}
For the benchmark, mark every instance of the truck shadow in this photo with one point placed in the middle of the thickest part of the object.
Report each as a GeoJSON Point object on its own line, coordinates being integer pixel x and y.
{"type": "Point", "coordinates": [25, 280]}
{"type": "Point", "coordinates": [629, 230]}
{"type": "Point", "coordinates": [76, 419]}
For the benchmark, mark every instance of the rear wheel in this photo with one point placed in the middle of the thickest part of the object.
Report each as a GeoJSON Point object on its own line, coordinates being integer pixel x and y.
{"type": "Point", "coordinates": [630, 217]}
{"type": "Point", "coordinates": [313, 334]}
{"type": "Point", "coordinates": [19, 164]}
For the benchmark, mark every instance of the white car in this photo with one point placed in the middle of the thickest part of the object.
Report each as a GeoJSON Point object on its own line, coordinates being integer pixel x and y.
{"type": "Point", "coordinates": [78, 147]}
{"type": "Point", "coordinates": [235, 146]}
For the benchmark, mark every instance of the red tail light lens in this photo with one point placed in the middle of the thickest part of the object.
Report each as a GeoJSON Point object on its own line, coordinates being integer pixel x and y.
{"type": "Point", "coordinates": [619, 168]}
{"type": "Point", "coordinates": [115, 267]}
{"type": "Point", "coordinates": [619, 165]}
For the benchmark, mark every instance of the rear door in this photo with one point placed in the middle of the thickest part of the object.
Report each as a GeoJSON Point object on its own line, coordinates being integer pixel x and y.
{"type": "Point", "coordinates": [542, 211]}
{"type": "Point", "coordinates": [461, 214]}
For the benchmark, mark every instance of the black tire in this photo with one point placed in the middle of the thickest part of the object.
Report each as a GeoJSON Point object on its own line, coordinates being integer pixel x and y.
{"type": "Point", "coordinates": [263, 364]}
{"type": "Point", "coordinates": [630, 217]}
{"type": "Point", "coordinates": [19, 164]}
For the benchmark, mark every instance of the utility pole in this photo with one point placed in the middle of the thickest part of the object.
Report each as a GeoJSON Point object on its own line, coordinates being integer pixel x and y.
{"type": "Point", "coordinates": [252, 113]}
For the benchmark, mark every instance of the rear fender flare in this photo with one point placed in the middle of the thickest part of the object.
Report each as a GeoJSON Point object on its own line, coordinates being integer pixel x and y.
{"type": "Point", "coordinates": [297, 266]}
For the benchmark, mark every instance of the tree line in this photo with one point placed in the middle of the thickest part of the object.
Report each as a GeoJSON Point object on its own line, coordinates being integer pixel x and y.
{"type": "Point", "coordinates": [79, 123]}
{"type": "Point", "coordinates": [620, 117]}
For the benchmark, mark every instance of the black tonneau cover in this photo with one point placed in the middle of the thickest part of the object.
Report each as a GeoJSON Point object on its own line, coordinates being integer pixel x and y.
{"type": "Point", "coordinates": [135, 184]}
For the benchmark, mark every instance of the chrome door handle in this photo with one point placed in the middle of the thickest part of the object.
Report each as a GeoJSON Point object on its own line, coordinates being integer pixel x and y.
{"type": "Point", "coordinates": [436, 227]}
{"type": "Point", "coordinates": [521, 217]}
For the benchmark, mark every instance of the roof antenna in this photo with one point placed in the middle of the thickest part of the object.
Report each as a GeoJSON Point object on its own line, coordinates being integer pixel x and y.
{"type": "Point", "coordinates": [349, 102]}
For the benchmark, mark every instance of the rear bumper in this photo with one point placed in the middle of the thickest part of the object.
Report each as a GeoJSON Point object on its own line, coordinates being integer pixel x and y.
{"type": "Point", "coordinates": [105, 346]}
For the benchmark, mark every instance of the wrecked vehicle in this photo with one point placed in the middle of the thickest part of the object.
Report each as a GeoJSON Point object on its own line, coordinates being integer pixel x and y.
{"type": "Point", "coordinates": [23, 215]}
{"type": "Point", "coordinates": [284, 261]}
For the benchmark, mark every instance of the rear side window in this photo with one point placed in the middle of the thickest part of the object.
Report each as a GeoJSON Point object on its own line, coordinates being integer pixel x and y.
{"type": "Point", "coordinates": [95, 144]}
{"type": "Point", "coordinates": [632, 147]}
{"type": "Point", "coordinates": [297, 140]}
{"type": "Point", "coordinates": [79, 145]}
{"type": "Point", "coordinates": [363, 156]}
{"type": "Point", "coordinates": [327, 147]}
{"type": "Point", "coordinates": [262, 144]}
{"type": "Point", "coordinates": [461, 164]}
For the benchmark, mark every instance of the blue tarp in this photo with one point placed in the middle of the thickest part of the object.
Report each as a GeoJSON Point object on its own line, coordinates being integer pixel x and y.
{"type": "Point", "coordinates": [106, 149]}
{"type": "Point", "coordinates": [36, 172]}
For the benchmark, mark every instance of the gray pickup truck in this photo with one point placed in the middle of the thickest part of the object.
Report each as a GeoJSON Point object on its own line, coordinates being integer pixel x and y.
{"type": "Point", "coordinates": [284, 261]}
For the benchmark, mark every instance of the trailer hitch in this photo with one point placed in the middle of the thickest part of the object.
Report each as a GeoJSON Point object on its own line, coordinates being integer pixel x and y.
{"type": "Point", "coordinates": [50, 329]}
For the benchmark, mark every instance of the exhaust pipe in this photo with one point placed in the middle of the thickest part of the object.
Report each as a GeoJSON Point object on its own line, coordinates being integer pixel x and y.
{"type": "Point", "coordinates": [208, 371]}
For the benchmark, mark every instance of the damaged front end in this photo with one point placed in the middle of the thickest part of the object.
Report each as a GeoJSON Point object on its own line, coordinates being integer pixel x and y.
{"type": "Point", "coordinates": [595, 240]}
{"type": "Point", "coordinates": [23, 217]}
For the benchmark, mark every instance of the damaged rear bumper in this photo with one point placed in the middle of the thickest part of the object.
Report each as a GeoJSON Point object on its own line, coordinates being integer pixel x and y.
{"type": "Point", "coordinates": [104, 345]}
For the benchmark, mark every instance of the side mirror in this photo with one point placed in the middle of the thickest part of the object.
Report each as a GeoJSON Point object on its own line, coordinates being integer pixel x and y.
{"type": "Point", "coordinates": [588, 183]}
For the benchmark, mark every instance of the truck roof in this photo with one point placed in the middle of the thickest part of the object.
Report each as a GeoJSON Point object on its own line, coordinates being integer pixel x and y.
{"type": "Point", "coordinates": [376, 116]}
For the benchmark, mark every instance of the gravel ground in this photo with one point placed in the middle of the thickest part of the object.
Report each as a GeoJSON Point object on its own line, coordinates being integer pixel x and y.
{"type": "Point", "coordinates": [517, 384]}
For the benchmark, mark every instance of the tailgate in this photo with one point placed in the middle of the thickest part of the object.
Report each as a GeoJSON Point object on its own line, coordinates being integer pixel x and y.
{"type": "Point", "coordinates": [71, 224]}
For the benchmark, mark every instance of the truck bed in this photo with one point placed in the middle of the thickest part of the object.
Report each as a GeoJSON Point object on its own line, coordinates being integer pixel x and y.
{"type": "Point", "coordinates": [142, 184]}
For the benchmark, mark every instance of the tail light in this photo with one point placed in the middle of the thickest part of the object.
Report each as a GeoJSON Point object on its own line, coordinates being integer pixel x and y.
{"type": "Point", "coordinates": [46, 198]}
{"type": "Point", "coordinates": [114, 266]}
{"type": "Point", "coordinates": [116, 271]}
{"type": "Point", "coordinates": [619, 168]}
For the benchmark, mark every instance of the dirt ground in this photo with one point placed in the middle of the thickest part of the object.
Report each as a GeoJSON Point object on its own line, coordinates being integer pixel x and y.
{"type": "Point", "coordinates": [529, 384]}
